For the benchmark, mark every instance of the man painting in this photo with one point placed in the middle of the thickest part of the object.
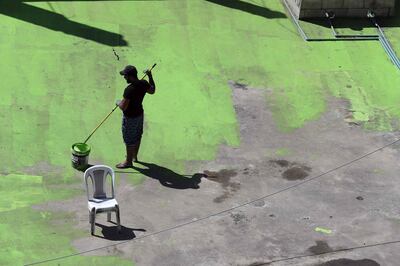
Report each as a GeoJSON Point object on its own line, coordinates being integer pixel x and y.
{"type": "Point", "coordinates": [131, 105]}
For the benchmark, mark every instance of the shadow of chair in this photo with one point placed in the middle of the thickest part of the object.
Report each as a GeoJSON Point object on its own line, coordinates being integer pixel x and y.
{"type": "Point", "coordinates": [111, 232]}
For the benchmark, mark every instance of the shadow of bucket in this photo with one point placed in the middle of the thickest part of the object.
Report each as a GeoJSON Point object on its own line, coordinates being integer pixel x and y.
{"type": "Point", "coordinates": [80, 156]}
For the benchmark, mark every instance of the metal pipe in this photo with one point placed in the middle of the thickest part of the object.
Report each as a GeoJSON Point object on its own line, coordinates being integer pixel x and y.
{"type": "Point", "coordinates": [374, 37]}
{"type": "Point", "coordinates": [390, 52]}
{"type": "Point", "coordinates": [384, 41]}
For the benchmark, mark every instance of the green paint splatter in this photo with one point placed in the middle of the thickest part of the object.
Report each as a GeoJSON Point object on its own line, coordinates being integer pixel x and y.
{"type": "Point", "coordinates": [323, 230]}
{"type": "Point", "coordinates": [282, 152]}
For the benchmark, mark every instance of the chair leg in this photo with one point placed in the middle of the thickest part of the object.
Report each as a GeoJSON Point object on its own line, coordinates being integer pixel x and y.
{"type": "Point", "coordinates": [93, 221]}
{"type": "Point", "coordinates": [90, 217]}
{"type": "Point", "coordinates": [118, 218]}
{"type": "Point", "coordinates": [108, 216]}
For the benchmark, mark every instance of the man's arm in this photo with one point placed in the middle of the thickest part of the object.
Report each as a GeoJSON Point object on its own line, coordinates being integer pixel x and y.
{"type": "Point", "coordinates": [152, 88]}
{"type": "Point", "coordinates": [122, 104]}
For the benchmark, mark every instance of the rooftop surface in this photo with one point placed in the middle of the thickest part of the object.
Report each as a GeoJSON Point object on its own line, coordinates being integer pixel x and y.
{"type": "Point", "coordinates": [300, 140]}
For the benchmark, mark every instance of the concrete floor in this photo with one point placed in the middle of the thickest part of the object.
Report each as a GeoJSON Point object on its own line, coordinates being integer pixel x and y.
{"type": "Point", "coordinates": [358, 203]}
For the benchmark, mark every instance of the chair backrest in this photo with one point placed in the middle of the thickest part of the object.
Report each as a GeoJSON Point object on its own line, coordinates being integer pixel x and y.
{"type": "Point", "coordinates": [98, 175]}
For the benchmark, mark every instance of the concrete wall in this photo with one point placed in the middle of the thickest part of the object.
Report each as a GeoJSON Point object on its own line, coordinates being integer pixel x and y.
{"type": "Point", "coordinates": [342, 8]}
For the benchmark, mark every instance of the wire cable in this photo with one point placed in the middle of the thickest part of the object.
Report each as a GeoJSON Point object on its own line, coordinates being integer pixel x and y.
{"type": "Point", "coordinates": [225, 210]}
{"type": "Point", "coordinates": [329, 252]}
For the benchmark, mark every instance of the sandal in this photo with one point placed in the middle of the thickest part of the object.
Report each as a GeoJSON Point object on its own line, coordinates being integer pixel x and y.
{"type": "Point", "coordinates": [124, 165]}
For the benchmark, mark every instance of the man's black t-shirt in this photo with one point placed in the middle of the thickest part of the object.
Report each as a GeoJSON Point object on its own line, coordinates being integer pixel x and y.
{"type": "Point", "coordinates": [135, 92]}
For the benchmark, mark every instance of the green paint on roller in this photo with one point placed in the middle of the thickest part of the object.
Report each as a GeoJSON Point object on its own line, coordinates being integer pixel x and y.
{"type": "Point", "coordinates": [323, 230]}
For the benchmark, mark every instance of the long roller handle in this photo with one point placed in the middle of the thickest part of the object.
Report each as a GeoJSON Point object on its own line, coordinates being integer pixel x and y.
{"type": "Point", "coordinates": [105, 118]}
{"type": "Point", "coordinates": [149, 70]}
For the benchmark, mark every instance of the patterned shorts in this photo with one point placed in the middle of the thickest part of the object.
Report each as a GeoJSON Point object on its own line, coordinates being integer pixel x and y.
{"type": "Point", "coordinates": [132, 129]}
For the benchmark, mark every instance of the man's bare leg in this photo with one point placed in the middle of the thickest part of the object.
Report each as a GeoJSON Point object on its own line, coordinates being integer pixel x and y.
{"type": "Point", "coordinates": [135, 151]}
{"type": "Point", "coordinates": [130, 150]}
{"type": "Point", "coordinates": [131, 155]}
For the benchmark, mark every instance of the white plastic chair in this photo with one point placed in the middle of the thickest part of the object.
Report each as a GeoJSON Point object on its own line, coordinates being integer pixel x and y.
{"type": "Point", "coordinates": [100, 202]}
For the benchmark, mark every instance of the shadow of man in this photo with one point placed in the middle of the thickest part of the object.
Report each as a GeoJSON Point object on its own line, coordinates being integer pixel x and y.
{"type": "Point", "coordinates": [169, 178]}
{"type": "Point", "coordinates": [111, 232]}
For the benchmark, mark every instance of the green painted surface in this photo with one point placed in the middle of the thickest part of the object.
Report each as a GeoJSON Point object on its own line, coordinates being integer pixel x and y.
{"type": "Point", "coordinates": [57, 87]}
{"type": "Point", "coordinates": [29, 235]}
{"type": "Point", "coordinates": [20, 191]}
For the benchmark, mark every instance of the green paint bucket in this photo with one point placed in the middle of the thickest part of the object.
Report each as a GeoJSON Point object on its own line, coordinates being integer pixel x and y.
{"type": "Point", "coordinates": [80, 155]}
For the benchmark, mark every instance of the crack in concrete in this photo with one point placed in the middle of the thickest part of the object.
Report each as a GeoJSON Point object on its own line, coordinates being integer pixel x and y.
{"type": "Point", "coordinates": [115, 53]}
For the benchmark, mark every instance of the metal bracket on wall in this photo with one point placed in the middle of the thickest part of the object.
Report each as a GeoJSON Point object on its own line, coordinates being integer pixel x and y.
{"type": "Point", "coordinates": [340, 37]}
{"type": "Point", "coordinates": [330, 17]}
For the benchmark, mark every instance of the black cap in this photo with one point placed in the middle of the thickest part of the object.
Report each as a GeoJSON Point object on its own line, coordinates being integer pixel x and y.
{"type": "Point", "coordinates": [128, 70]}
